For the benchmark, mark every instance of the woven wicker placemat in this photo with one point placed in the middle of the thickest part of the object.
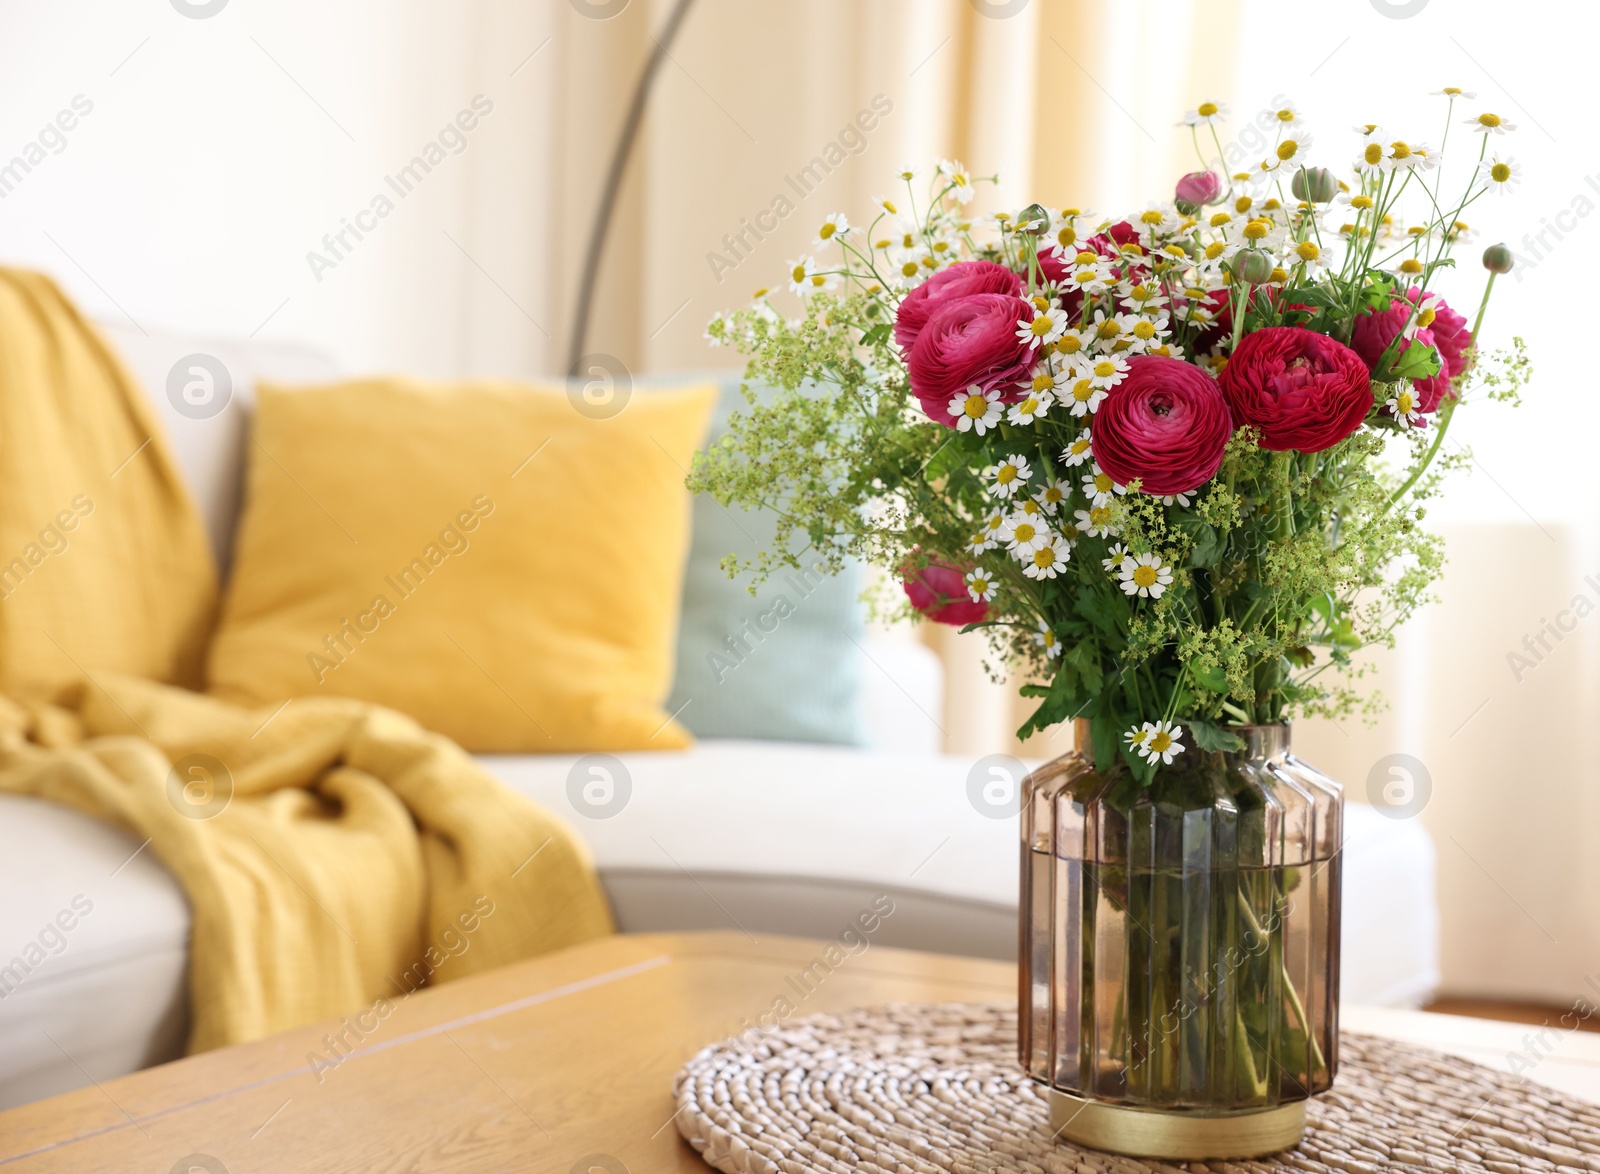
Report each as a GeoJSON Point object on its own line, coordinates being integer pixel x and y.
{"type": "Point", "coordinates": [922, 1089]}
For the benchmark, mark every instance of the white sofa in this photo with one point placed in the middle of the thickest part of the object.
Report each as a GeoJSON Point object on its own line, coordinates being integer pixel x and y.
{"type": "Point", "coordinates": [762, 838]}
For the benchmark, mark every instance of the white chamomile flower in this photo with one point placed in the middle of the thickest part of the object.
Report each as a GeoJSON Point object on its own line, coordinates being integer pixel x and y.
{"type": "Point", "coordinates": [1501, 175]}
{"type": "Point", "coordinates": [988, 537]}
{"type": "Point", "coordinates": [1114, 556]}
{"type": "Point", "coordinates": [1491, 124]}
{"type": "Point", "coordinates": [1141, 298]}
{"type": "Point", "coordinates": [1088, 273]}
{"type": "Point", "coordinates": [1175, 498]}
{"type": "Point", "coordinates": [1308, 253]}
{"type": "Point", "coordinates": [1077, 452]}
{"type": "Point", "coordinates": [1046, 640]}
{"type": "Point", "coordinates": [1452, 92]}
{"type": "Point", "coordinates": [1422, 317]}
{"type": "Point", "coordinates": [980, 585]}
{"type": "Point", "coordinates": [1368, 130]}
{"type": "Point", "coordinates": [1047, 324]}
{"type": "Point", "coordinates": [1403, 405]}
{"type": "Point", "coordinates": [960, 183]}
{"type": "Point", "coordinates": [1404, 156]}
{"type": "Point", "coordinates": [1051, 496]}
{"type": "Point", "coordinates": [1034, 406]}
{"type": "Point", "coordinates": [1157, 220]}
{"type": "Point", "coordinates": [1073, 347]}
{"type": "Point", "coordinates": [1048, 559]}
{"type": "Point", "coordinates": [1098, 486]}
{"type": "Point", "coordinates": [1144, 575]}
{"type": "Point", "coordinates": [1107, 372]}
{"type": "Point", "coordinates": [1083, 397]}
{"type": "Point", "coordinates": [1206, 114]}
{"type": "Point", "coordinates": [1287, 118]}
{"type": "Point", "coordinates": [835, 228]}
{"type": "Point", "coordinates": [804, 278]}
{"type": "Point", "coordinates": [981, 543]}
{"type": "Point", "coordinates": [1096, 521]}
{"type": "Point", "coordinates": [1167, 350]}
{"type": "Point", "coordinates": [906, 172]}
{"type": "Point", "coordinates": [1009, 476]}
{"type": "Point", "coordinates": [976, 410]}
{"type": "Point", "coordinates": [1136, 738]}
{"type": "Point", "coordinates": [1023, 533]}
{"type": "Point", "coordinates": [1160, 741]}
{"type": "Point", "coordinates": [1145, 333]}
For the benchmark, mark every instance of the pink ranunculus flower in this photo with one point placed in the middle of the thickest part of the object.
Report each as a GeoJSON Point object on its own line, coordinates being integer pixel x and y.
{"type": "Point", "coordinates": [1302, 390]}
{"type": "Point", "coordinates": [1447, 333]}
{"type": "Point", "coordinates": [1165, 425]}
{"type": "Point", "coordinates": [939, 591]}
{"type": "Point", "coordinates": [1199, 188]}
{"type": "Point", "coordinates": [971, 342]}
{"type": "Point", "coordinates": [960, 280]}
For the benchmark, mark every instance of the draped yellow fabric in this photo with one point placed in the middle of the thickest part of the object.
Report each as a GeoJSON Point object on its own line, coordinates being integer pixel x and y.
{"type": "Point", "coordinates": [333, 852]}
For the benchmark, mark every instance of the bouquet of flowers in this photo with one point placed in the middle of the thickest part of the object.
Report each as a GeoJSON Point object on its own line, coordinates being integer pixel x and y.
{"type": "Point", "coordinates": [1174, 463]}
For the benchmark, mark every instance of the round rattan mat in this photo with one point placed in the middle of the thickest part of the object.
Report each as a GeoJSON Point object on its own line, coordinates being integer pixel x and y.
{"type": "Point", "coordinates": [924, 1089]}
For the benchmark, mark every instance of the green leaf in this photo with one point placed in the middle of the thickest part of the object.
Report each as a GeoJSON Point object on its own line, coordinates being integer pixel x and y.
{"type": "Point", "coordinates": [1210, 736]}
{"type": "Point", "coordinates": [1416, 362]}
{"type": "Point", "coordinates": [1094, 607]}
{"type": "Point", "coordinates": [1211, 677]}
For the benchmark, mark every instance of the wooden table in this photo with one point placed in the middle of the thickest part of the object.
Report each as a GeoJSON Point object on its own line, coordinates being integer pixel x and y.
{"type": "Point", "coordinates": [558, 1064]}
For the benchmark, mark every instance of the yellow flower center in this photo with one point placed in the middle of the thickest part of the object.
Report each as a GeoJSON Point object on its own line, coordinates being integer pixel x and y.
{"type": "Point", "coordinates": [1144, 576]}
{"type": "Point", "coordinates": [1403, 401]}
{"type": "Point", "coordinates": [1006, 474]}
{"type": "Point", "coordinates": [1399, 150]}
{"type": "Point", "coordinates": [997, 521]}
{"type": "Point", "coordinates": [1099, 515]}
{"type": "Point", "coordinates": [1150, 217]}
{"type": "Point", "coordinates": [1030, 508]}
{"type": "Point", "coordinates": [1024, 531]}
{"type": "Point", "coordinates": [1053, 495]}
{"type": "Point", "coordinates": [818, 280]}
{"type": "Point", "coordinates": [1411, 265]}
{"type": "Point", "coordinates": [1242, 204]}
{"type": "Point", "coordinates": [975, 406]}
{"type": "Point", "coordinates": [1489, 120]}
{"type": "Point", "coordinates": [1214, 250]}
{"type": "Point", "coordinates": [1425, 318]}
{"type": "Point", "coordinates": [1287, 149]}
{"type": "Point", "coordinates": [1218, 219]}
{"type": "Point", "coordinates": [760, 293]}
{"type": "Point", "coordinates": [1068, 237]}
{"type": "Point", "coordinates": [1307, 251]}
{"type": "Point", "coordinates": [1373, 153]}
{"type": "Point", "coordinates": [1207, 109]}
{"type": "Point", "coordinates": [1042, 382]}
{"type": "Point", "coordinates": [1069, 344]}
{"type": "Point", "coordinates": [1286, 115]}
{"type": "Point", "coordinates": [1028, 406]}
{"type": "Point", "coordinates": [798, 273]}
{"type": "Point", "coordinates": [1362, 202]}
{"type": "Point", "coordinates": [825, 232]}
{"type": "Point", "coordinates": [1044, 557]}
{"type": "Point", "coordinates": [1106, 329]}
{"type": "Point", "coordinates": [1048, 639]}
{"type": "Point", "coordinates": [1103, 482]}
{"type": "Point", "coordinates": [1278, 274]}
{"type": "Point", "coordinates": [1144, 329]}
{"type": "Point", "coordinates": [1041, 326]}
{"type": "Point", "coordinates": [1082, 391]}
{"type": "Point", "coordinates": [888, 206]}
{"type": "Point", "coordinates": [1160, 742]}
{"type": "Point", "coordinates": [1105, 368]}
{"type": "Point", "coordinates": [1085, 276]}
{"type": "Point", "coordinates": [1256, 229]}
{"type": "Point", "coordinates": [1452, 91]}
{"type": "Point", "coordinates": [1087, 257]}
{"type": "Point", "coordinates": [1500, 172]}
{"type": "Point", "coordinates": [909, 269]}
{"type": "Point", "coordinates": [1079, 447]}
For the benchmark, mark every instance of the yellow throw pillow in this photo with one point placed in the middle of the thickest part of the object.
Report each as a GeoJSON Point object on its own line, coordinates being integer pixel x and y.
{"type": "Point", "coordinates": [482, 556]}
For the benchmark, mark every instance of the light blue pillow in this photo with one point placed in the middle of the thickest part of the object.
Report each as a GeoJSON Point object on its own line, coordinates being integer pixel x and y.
{"type": "Point", "coordinates": [780, 665]}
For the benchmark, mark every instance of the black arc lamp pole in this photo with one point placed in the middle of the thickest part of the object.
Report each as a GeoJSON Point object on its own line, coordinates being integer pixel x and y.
{"type": "Point", "coordinates": [613, 184]}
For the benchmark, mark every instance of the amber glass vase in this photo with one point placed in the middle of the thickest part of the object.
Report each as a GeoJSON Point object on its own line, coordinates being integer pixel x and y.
{"type": "Point", "coordinates": [1180, 948]}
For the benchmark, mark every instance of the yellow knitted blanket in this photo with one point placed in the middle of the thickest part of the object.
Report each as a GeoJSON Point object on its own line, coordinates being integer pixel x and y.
{"type": "Point", "coordinates": [333, 852]}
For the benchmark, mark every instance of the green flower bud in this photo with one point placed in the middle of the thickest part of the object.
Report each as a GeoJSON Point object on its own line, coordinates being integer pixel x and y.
{"type": "Point", "coordinates": [1316, 184]}
{"type": "Point", "coordinates": [1033, 220]}
{"type": "Point", "coordinates": [1253, 266]}
{"type": "Point", "coordinates": [1498, 259]}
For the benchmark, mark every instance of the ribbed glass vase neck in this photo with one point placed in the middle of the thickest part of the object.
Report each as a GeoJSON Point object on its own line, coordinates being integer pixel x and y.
{"type": "Point", "coordinates": [1265, 741]}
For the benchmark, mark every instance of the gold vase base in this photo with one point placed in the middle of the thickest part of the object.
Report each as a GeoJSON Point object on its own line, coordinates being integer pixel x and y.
{"type": "Point", "coordinates": [1175, 1135]}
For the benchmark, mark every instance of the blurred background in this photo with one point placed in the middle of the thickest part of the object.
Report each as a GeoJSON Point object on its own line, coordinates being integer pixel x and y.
{"type": "Point", "coordinates": [218, 150]}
